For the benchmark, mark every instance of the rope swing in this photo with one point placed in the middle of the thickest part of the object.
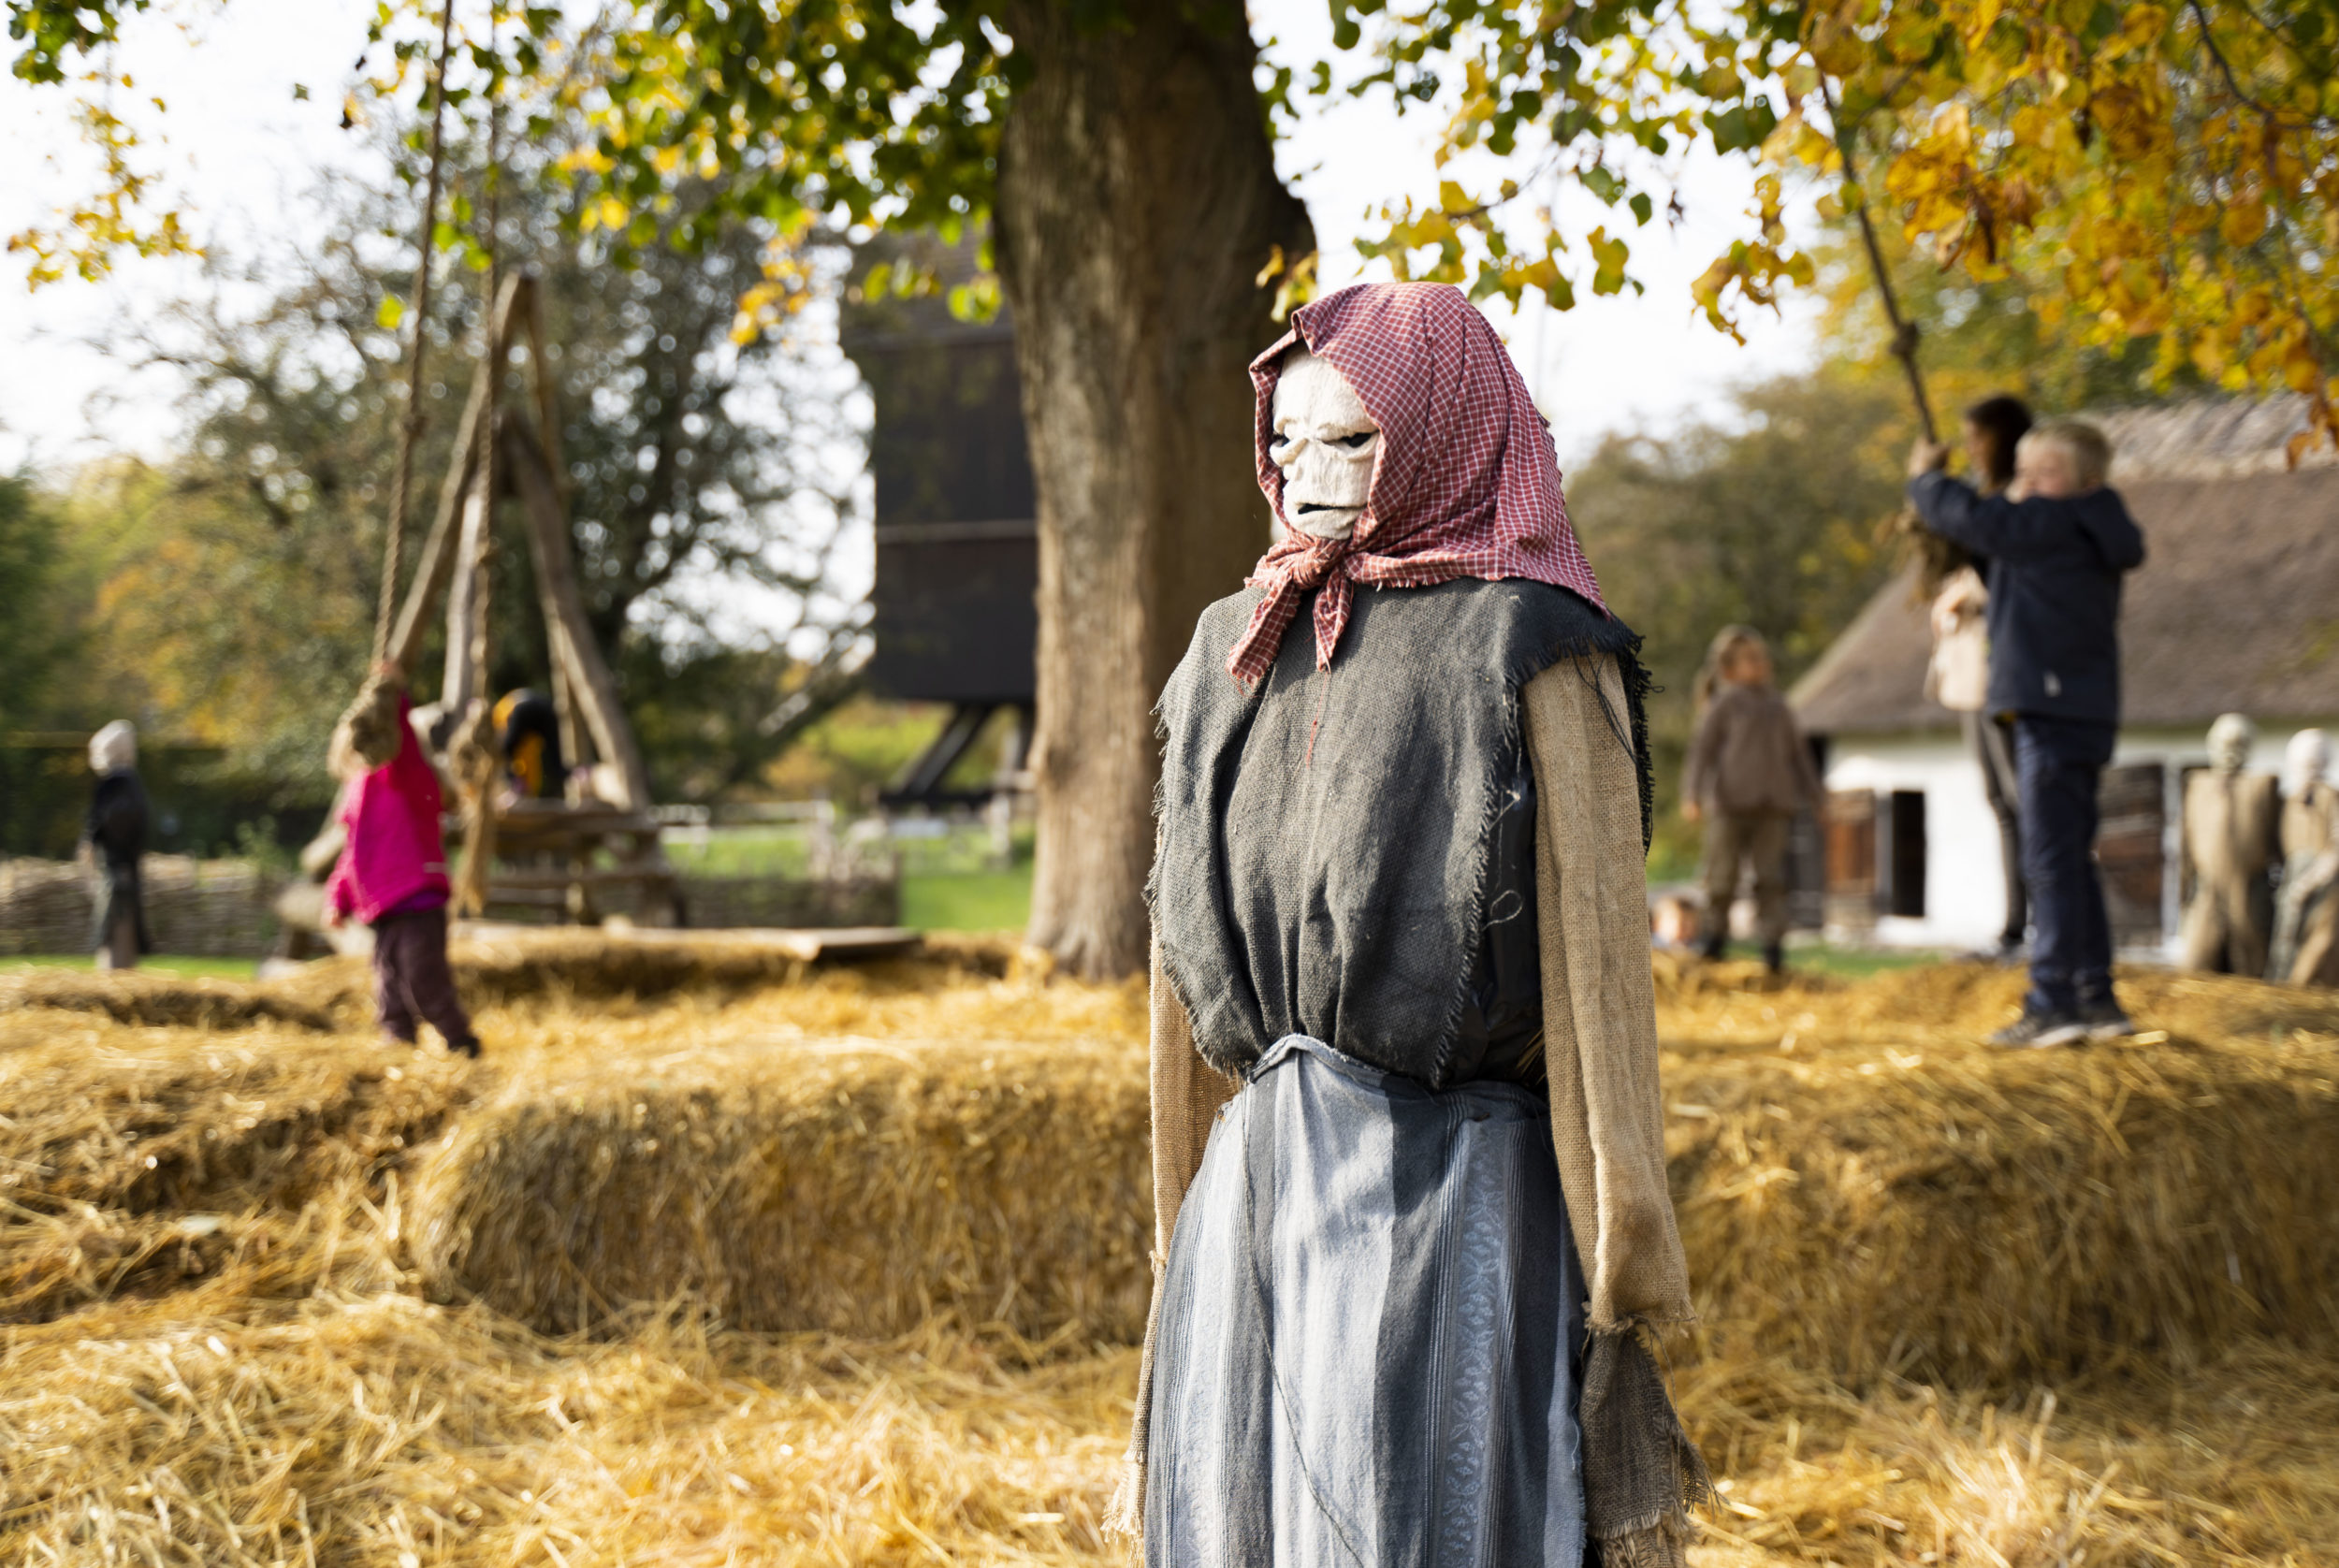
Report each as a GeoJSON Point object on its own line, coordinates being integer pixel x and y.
{"type": "Point", "coordinates": [500, 450]}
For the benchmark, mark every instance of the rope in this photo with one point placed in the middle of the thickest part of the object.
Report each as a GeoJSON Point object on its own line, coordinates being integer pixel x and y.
{"type": "Point", "coordinates": [410, 428]}
{"type": "Point", "coordinates": [1935, 556]}
{"type": "Point", "coordinates": [1904, 331]}
{"type": "Point", "coordinates": [476, 756]}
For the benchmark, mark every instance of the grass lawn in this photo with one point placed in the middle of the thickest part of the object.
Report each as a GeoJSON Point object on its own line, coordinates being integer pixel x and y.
{"type": "Point", "coordinates": [967, 900]}
{"type": "Point", "coordinates": [780, 849]}
{"type": "Point", "coordinates": [168, 964]}
{"type": "Point", "coordinates": [1825, 958]}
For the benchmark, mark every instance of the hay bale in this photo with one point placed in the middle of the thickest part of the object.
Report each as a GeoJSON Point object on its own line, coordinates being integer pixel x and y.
{"type": "Point", "coordinates": [846, 1187]}
{"type": "Point", "coordinates": [132, 1165]}
{"type": "Point", "coordinates": [556, 968]}
{"type": "Point", "coordinates": [560, 965]}
{"type": "Point", "coordinates": [2129, 1469]}
{"type": "Point", "coordinates": [376, 1429]}
{"type": "Point", "coordinates": [1865, 1194]}
{"type": "Point", "coordinates": [254, 1378]}
{"type": "Point", "coordinates": [151, 999]}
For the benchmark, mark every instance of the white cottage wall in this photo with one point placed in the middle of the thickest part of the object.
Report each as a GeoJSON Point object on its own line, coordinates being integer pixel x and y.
{"type": "Point", "coordinates": [1964, 897]}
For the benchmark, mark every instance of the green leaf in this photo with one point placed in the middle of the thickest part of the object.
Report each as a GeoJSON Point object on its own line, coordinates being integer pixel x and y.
{"type": "Point", "coordinates": [392, 312]}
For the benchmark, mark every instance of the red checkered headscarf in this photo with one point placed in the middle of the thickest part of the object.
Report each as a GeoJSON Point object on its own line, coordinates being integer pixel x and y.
{"type": "Point", "coordinates": [1465, 483]}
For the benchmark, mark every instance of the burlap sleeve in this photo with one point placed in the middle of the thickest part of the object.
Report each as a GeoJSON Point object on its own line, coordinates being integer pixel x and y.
{"type": "Point", "coordinates": [1642, 1474]}
{"type": "Point", "coordinates": [1188, 1094]}
{"type": "Point", "coordinates": [1599, 1009]}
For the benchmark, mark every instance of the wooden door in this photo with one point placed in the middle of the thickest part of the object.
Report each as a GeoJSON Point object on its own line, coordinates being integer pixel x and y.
{"type": "Point", "coordinates": [2131, 849]}
{"type": "Point", "coordinates": [1851, 835]}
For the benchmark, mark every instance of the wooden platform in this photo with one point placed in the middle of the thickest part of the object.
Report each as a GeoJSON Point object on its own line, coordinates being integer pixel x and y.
{"type": "Point", "coordinates": [811, 945]}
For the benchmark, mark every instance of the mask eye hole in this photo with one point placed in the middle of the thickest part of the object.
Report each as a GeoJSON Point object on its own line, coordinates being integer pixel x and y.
{"type": "Point", "coordinates": [1361, 439]}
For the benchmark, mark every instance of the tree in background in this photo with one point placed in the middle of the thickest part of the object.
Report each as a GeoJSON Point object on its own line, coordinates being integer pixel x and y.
{"type": "Point", "coordinates": [1980, 337]}
{"type": "Point", "coordinates": [34, 636]}
{"type": "Point", "coordinates": [1118, 159]}
{"type": "Point", "coordinates": [2150, 172]}
{"type": "Point", "coordinates": [237, 580]}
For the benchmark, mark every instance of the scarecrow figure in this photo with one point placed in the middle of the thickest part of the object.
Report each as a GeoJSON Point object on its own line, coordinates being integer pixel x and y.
{"type": "Point", "coordinates": [1401, 964]}
{"type": "Point", "coordinates": [2233, 838]}
{"type": "Point", "coordinates": [2307, 925]}
{"type": "Point", "coordinates": [116, 834]}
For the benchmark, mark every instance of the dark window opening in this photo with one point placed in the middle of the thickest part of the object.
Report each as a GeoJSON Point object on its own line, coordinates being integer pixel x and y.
{"type": "Point", "coordinates": [1904, 893]}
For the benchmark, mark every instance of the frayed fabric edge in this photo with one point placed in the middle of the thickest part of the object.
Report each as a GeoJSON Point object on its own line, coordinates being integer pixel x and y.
{"type": "Point", "coordinates": [1663, 1544]}
{"type": "Point", "coordinates": [1125, 1516]}
{"type": "Point", "coordinates": [1656, 1534]}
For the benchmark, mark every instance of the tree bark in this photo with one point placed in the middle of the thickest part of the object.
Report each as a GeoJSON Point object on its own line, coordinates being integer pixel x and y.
{"type": "Point", "coordinates": [1137, 203]}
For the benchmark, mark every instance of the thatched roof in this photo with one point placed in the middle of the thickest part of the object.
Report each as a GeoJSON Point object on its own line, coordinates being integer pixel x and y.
{"type": "Point", "coordinates": [2236, 607]}
{"type": "Point", "coordinates": [2208, 438]}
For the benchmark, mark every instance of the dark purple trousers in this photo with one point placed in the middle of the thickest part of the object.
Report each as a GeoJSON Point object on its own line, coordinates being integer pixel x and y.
{"type": "Point", "coordinates": [412, 981]}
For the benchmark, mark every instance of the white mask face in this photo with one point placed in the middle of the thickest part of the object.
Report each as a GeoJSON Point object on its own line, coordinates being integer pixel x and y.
{"type": "Point", "coordinates": [2231, 739]}
{"type": "Point", "coordinates": [1325, 443]}
{"type": "Point", "coordinates": [2307, 758]}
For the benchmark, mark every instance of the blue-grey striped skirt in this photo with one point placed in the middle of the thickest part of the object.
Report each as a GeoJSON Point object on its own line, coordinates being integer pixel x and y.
{"type": "Point", "coordinates": [1369, 1321]}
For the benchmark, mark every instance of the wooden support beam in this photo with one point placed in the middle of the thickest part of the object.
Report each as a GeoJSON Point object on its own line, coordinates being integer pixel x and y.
{"type": "Point", "coordinates": [437, 564]}
{"type": "Point", "coordinates": [590, 680]}
{"type": "Point", "coordinates": [573, 740]}
{"type": "Point", "coordinates": [464, 580]}
{"type": "Point", "coordinates": [547, 408]}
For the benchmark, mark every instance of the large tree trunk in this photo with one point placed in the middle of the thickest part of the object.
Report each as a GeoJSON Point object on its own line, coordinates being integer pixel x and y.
{"type": "Point", "coordinates": [1137, 203]}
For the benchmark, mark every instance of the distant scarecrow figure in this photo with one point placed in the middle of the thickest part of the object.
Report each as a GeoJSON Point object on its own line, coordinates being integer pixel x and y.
{"type": "Point", "coordinates": [1400, 938]}
{"type": "Point", "coordinates": [116, 835]}
{"type": "Point", "coordinates": [2233, 838]}
{"type": "Point", "coordinates": [2306, 924]}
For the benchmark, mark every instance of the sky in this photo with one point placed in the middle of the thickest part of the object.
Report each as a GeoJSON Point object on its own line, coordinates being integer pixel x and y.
{"type": "Point", "coordinates": [240, 148]}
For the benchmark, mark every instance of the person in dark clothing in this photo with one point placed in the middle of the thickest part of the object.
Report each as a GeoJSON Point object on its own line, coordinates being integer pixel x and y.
{"type": "Point", "coordinates": [116, 835]}
{"type": "Point", "coordinates": [527, 727]}
{"type": "Point", "coordinates": [2057, 544]}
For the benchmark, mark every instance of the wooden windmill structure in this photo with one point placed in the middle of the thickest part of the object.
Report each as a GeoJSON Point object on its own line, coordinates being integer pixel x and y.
{"type": "Point", "coordinates": [558, 855]}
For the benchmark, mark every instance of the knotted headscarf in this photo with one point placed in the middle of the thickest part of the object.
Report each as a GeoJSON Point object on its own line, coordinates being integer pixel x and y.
{"type": "Point", "coordinates": [1465, 483]}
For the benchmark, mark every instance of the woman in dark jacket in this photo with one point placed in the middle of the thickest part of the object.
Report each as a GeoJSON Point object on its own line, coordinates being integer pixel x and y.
{"type": "Point", "coordinates": [116, 834]}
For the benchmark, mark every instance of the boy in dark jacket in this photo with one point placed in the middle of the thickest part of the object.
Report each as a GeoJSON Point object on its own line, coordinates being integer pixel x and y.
{"type": "Point", "coordinates": [2058, 542]}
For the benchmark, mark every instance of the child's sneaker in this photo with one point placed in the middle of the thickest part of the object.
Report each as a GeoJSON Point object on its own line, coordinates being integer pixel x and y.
{"type": "Point", "coordinates": [2036, 1031]}
{"type": "Point", "coordinates": [2106, 1020]}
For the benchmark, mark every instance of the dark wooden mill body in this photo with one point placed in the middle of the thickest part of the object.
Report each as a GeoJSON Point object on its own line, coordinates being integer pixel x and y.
{"type": "Point", "coordinates": [955, 614]}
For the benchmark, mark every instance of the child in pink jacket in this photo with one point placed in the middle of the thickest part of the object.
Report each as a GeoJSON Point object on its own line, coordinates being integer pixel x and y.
{"type": "Point", "coordinates": [392, 875]}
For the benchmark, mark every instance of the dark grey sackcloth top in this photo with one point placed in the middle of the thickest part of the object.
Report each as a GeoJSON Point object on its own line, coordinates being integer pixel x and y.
{"type": "Point", "coordinates": [1348, 854]}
